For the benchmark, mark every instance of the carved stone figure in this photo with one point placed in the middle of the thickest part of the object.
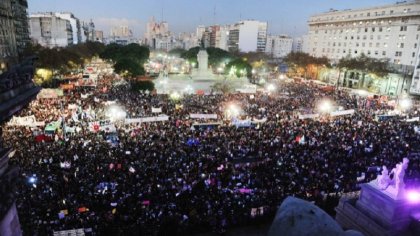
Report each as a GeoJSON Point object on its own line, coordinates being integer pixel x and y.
{"type": "Point", "coordinates": [383, 180]}
{"type": "Point", "coordinates": [399, 177]}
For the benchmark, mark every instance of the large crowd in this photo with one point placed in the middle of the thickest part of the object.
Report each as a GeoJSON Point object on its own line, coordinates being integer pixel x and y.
{"type": "Point", "coordinates": [179, 177]}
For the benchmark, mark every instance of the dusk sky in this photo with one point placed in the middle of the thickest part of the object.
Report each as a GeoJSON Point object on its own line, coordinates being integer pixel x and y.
{"type": "Point", "coordinates": [283, 17]}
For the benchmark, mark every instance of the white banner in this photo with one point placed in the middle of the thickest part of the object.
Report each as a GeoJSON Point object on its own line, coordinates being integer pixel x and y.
{"type": "Point", "coordinates": [342, 113]}
{"type": "Point", "coordinates": [247, 89]}
{"type": "Point", "coordinates": [203, 116]}
{"type": "Point", "coordinates": [156, 109]}
{"type": "Point", "coordinates": [29, 121]}
{"type": "Point", "coordinates": [413, 119]}
{"type": "Point", "coordinates": [147, 119]}
{"type": "Point", "coordinates": [73, 106]}
{"type": "Point", "coordinates": [308, 116]}
{"type": "Point", "coordinates": [259, 121]}
{"type": "Point", "coordinates": [241, 123]}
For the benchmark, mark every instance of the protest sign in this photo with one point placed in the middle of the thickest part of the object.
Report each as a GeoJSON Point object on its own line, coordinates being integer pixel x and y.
{"type": "Point", "coordinates": [203, 116]}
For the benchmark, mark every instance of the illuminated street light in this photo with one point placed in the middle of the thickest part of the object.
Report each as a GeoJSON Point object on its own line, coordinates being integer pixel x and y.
{"type": "Point", "coordinates": [232, 111]}
{"type": "Point", "coordinates": [115, 112]}
{"type": "Point", "coordinates": [175, 96]}
{"type": "Point", "coordinates": [270, 88]}
{"type": "Point", "coordinates": [405, 104]}
{"type": "Point", "coordinates": [325, 106]}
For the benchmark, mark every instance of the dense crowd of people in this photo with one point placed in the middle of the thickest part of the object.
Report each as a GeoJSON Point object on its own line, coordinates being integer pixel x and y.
{"type": "Point", "coordinates": [184, 175]}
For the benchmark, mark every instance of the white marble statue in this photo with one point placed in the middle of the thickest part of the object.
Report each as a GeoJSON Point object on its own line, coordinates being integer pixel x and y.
{"type": "Point", "coordinates": [383, 180]}
{"type": "Point", "coordinates": [399, 177]}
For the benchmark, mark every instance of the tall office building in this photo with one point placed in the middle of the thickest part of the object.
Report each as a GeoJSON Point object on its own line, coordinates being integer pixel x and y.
{"type": "Point", "coordinates": [278, 46]}
{"type": "Point", "coordinates": [50, 31]}
{"type": "Point", "coordinates": [248, 36]}
{"type": "Point", "coordinates": [156, 33]}
{"type": "Point", "coordinates": [75, 25]}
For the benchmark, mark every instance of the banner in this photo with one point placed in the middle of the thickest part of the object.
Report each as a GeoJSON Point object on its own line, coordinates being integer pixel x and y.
{"type": "Point", "coordinates": [203, 116]}
{"type": "Point", "coordinates": [73, 106]}
{"type": "Point", "coordinates": [241, 123]}
{"type": "Point", "coordinates": [50, 93]}
{"type": "Point", "coordinates": [147, 119]}
{"type": "Point", "coordinates": [413, 119]}
{"type": "Point", "coordinates": [342, 113]}
{"type": "Point", "coordinates": [156, 109]}
{"type": "Point", "coordinates": [29, 121]}
{"type": "Point", "coordinates": [67, 86]}
{"type": "Point", "coordinates": [308, 116]}
{"type": "Point", "coordinates": [102, 125]}
{"type": "Point", "coordinates": [259, 121]}
{"type": "Point", "coordinates": [247, 89]}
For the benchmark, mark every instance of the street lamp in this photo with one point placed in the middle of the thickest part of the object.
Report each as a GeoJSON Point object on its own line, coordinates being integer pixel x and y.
{"type": "Point", "coordinates": [405, 104]}
{"type": "Point", "coordinates": [270, 88]}
{"type": "Point", "coordinates": [325, 106]}
{"type": "Point", "coordinates": [232, 111]}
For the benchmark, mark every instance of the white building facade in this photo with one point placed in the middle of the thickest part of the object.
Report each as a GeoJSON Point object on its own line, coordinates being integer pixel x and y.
{"type": "Point", "coordinates": [389, 32]}
{"type": "Point", "coordinates": [50, 31]}
{"type": "Point", "coordinates": [248, 36]}
{"type": "Point", "coordinates": [278, 46]}
{"type": "Point", "coordinates": [75, 25]}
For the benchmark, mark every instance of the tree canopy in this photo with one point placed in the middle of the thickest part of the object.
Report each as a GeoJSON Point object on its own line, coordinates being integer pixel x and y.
{"type": "Point", "coordinates": [240, 67]}
{"type": "Point", "coordinates": [63, 59]}
{"type": "Point", "coordinates": [128, 59]}
{"type": "Point", "coordinates": [364, 63]}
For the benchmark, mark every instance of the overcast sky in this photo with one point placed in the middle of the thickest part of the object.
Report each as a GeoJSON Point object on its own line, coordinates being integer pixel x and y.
{"type": "Point", "coordinates": [283, 17]}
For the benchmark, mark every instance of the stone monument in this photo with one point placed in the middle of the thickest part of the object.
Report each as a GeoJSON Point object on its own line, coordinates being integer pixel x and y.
{"type": "Point", "coordinates": [203, 73]}
{"type": "Point", "coordinates": [383, 207]}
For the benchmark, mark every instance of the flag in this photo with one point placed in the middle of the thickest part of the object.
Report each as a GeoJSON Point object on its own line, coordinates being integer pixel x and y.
{"type": "Point", "coordinates": [302, 140]}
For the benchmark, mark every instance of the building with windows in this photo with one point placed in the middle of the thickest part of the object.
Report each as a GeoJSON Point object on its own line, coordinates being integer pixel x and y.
{"type": "Point", "coordinates": [297, 44]}
{"type": "Point", "coordinates": [14, 34]}
{"type": "Point", "coordinates": [248, 36]}
{"type": "Point", "coordinates": [49, 30]}
{"type": "Point", "coordinates": [278, 46]}
{"type": "Point", "coordinates": [75, 25]}
{"type": "Point", "coordinates": [384, 32]}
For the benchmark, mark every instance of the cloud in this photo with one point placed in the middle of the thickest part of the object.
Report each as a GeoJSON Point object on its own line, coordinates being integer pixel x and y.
{"type": "Point", "coordinates": [105, 24]}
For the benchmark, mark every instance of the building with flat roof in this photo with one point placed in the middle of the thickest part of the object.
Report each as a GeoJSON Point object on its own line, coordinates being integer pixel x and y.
{"type": "Point", "coordinates": [384, 32]}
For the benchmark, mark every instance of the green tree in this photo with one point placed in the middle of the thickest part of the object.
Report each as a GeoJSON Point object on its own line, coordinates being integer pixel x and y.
{"type": "Point", "coordinates": [137, 85]}
{"type": "Point", "coordinates": [177, 52]}
{"type": "Point", "coordinates": [128, 67]}
{"type": "Point", "coordinates": [240, 66]}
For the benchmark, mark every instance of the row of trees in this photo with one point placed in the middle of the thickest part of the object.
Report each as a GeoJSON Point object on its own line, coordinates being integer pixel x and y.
{"type": "Point", "coordinates": [64, 60]}
{"type": "Point", "coordinates": [128, 60]}
{"type": "Point", "coordinates": [303, 64]}
{"type": "Point", "coordinates": [365, 65]}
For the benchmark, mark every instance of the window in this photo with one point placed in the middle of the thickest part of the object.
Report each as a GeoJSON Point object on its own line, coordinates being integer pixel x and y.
{"type": "Point", "coordinates": [379, 37]}
{"type": "Point", "coordinates": [415, 45]}
{"type": "Point", "coordinates": [403, 28]}
{"type": "Point", "coordinates": [368, 52]}
{"type": "Point", "coordinates": [391, 12]}
{"type": "Point", "coordinates": [376, 53]}
{"type": "Point", "coordinates": [377, 45]}
{"type": "Point", "coordinates": [366, 29]}
{"type": "Point", "coordinates": [413, 54]}
{"type": "Point", "coordinates": [355, 51]}
{"type": "Point", "coordinates": [373, 29]}
{"type": "Point", "coordinates": [368, 14]}
{"type": "Point", "coordinates": [383, 53]}
{"type": "Point", "coordinates": [398, 54]}
{"type": "Point", "coordinates": [380, 29]}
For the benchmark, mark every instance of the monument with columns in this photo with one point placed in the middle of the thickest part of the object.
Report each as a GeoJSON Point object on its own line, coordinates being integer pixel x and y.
{"type": "Point", "coordinates": [384, 206]}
